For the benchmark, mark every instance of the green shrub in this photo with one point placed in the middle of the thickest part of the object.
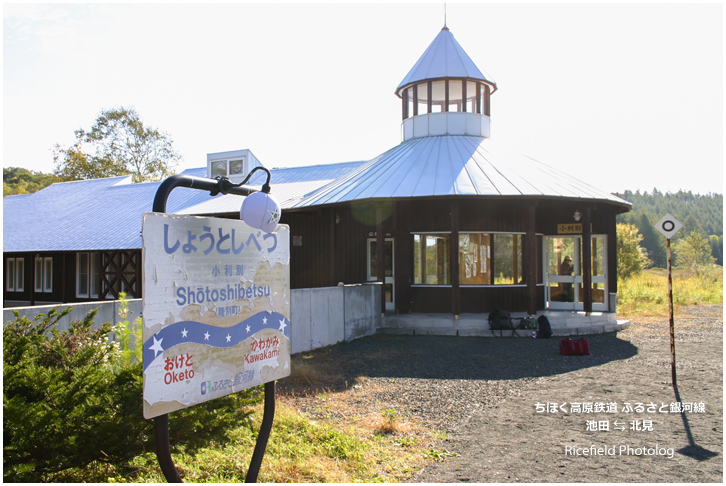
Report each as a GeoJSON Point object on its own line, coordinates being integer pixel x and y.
{"type": "Point", "coordinates": [63, 404]}
{"type": "Point", "coordinates": [74, 398]}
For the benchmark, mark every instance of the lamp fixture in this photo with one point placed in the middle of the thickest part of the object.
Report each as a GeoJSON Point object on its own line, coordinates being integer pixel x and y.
{"type": "Point", "coordinates": [577, 215]}
{"type": "Point", "coordinates": [259, 209]}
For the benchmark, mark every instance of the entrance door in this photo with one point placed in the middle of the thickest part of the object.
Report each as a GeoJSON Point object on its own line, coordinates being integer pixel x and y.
{"type": "Point", "coordinates": [564, 271]}
{"type": "Point", "coordinates": [373, 269]}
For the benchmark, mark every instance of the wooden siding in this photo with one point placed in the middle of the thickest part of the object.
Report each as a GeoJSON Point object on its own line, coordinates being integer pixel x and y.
{"type": "Point", "coordinates": [334, 243]}
{"type": "Point", "coordinates": [64, 279]}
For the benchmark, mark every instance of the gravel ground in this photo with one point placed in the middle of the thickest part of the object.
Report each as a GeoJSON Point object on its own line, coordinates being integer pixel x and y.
{"type": "Point", "coordinates": [495, 397]}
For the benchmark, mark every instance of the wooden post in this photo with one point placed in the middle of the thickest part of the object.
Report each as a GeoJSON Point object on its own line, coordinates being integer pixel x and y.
{"type": "Point", "coordinates": [455, 295]}
{"type": "Point", "coordinates": [671, 321]}
{"type": "Point", "coordinates": [587, 263]}
{"type": "Point", "coordinates": [381, 257]}
{"type": "Point", "coordinates": [530, 259]}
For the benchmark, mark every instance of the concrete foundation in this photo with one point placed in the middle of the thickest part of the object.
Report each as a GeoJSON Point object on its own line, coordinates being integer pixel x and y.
{"type": "Point", "coordinates": [563, 324]}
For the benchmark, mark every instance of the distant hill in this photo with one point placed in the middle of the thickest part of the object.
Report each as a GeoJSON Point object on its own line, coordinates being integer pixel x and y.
{"type": "Point", "coordinates": [697, 212]}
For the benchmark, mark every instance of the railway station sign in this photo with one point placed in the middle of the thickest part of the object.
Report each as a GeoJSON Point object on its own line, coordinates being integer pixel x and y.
{"type": "Point", "coordinates": [216, 309]}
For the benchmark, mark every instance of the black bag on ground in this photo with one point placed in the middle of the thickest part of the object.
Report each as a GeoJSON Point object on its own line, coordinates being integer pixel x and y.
{"type": "Point", "coordinates": [545, 330]}
{"type": "Point", "coordinates": [499, 319]}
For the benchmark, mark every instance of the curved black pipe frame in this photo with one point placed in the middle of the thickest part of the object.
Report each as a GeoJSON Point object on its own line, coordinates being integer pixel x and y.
{"type": "Point", "coordinates": [161, 423]}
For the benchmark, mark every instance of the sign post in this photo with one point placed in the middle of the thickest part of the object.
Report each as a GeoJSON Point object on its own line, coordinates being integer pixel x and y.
{"type": "Point", "coordinates": [216, 309]}
{"type": "Point", "coordinates": [668, 226]}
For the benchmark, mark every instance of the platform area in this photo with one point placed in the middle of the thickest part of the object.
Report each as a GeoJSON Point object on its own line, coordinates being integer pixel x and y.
{"type": "Point", "coordinates": [563, 323]}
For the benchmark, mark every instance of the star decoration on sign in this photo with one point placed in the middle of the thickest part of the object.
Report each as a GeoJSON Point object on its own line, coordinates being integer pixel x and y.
{"type": "Point", "coordinates": [156, 347]}
{"type": "Point", "coordinates": [248, 328]}
{"type": "Point", "coordinates": [282, 325]}
{"type": "Point", "coordinates": [184, 333]}
{"type": "Point", "coordinates": [229, 338]}
{"type": "Point", "coordinates": [206, 336]}
{"type": "Point", "coordinates": [264, 320]}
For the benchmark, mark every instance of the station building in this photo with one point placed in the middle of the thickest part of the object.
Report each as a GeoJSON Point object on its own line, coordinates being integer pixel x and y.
{"type": "Point", "coordinates": [448, 221]}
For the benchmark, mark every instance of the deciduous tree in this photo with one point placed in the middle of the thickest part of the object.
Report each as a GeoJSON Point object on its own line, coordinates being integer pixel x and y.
{"type": "Point", "coordinates": [632, 258]}
{"type": "Point", "coordinates": [694, 252]}
{"type": "Point", "coordinates": [117, 144]}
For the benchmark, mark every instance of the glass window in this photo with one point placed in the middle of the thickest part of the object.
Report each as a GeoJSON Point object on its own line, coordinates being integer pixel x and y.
{"type": "Point", "coordinates": [95, 269]}
{"type": "Point", "coordinates": [19, 274]}
{"type": "Point", "coordinates": [87, 272]}
{"type": "Point", "coordinates": [373, 258]}
{"type": "Point", "coordinates": [219, 168]}
{"type": "Point", "coordinates": [48, 274]}
{"type": "Point", "coordinates": [475, 254]}
{"type": "Point", "coordinates": [236, 166]}
{"type": "Point", "coordinates": [455, 95]}
{"type": "Point", "coordinates": [38, 274]}
{"type": "Point", "coordinates": [82, 271]}
{"type": "Point", "coordinates": [423, 98]}
{"type": "Point", "coordinates": [432, 254]}
{"type": "Point", "coordinates": [410, 101]}
{"type": "Point", "coordinates": [490, 259]}
{"type": "Point", "coordinates": [438, 92]}
{"type": "Point", "coordinates": [598, 256]}
{"type": "Point", "coordinates": [471, 94]}
{"type": "Point", "coordinates": [43, 274]}
{"type": "Point", "coordinates": [10, 274]}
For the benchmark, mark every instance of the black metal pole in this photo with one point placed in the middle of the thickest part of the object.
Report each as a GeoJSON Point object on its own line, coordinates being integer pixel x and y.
{"type": "Point", "coordinates": [264, 435]}
{"type": "Point", "coordinates": [163, 451]}
{"type": "Point", "coordinates": [214, 186]}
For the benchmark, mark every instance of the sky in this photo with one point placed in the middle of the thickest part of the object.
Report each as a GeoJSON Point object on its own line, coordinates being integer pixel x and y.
{"type": "Point", "coordinates": [621, 96]}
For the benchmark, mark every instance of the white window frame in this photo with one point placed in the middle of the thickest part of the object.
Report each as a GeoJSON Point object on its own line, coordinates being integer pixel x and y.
{"type": "Point", "coordinates": [10, 275]}
{"type": "Point", "coordinates": [91, 277]}
{"type": "Point", "coordinates": [15, 274]}
{"type": "Point", "coordinates": [43, 274]}
{"type": "Point", "coordinates": [447, 269]}
{"type": "Point", "coordinates": [227, 165]}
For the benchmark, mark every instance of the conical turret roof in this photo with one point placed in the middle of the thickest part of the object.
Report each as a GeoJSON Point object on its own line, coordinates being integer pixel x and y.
{"type": "Point", "coordinates": [444, 58]}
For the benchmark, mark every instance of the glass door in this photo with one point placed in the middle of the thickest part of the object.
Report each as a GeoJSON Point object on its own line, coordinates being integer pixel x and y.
{"type": "Point", "coordinates": [372, 269]}
{"type": "Point", "coordinates": [564, 272]}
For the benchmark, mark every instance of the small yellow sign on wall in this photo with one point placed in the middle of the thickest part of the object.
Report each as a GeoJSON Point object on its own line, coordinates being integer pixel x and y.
{"type": "Point", "coordinates": [569, 228]}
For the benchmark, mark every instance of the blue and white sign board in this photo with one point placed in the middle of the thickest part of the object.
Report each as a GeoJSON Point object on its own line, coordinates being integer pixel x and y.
{"type": "Point", "coordinates": [216, 309]}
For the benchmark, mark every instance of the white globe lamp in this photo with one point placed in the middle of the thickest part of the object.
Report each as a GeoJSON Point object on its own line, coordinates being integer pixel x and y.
{"type": "Point", "coordinates": [260, 210]}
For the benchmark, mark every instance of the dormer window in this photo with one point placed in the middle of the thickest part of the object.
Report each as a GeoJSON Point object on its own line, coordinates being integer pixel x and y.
{"type": "Point", "coordinates": [234, 165]}
{"type": "Point", "coordinates": [228, 167]}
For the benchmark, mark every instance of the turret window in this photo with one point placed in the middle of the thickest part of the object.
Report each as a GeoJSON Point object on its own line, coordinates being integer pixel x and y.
{"type": "Point", "coordinates": [423, 98]}
{"type": "Point", "coordinates": [453, 95]}
{"type": "Point", "coordinates": [438, 88]}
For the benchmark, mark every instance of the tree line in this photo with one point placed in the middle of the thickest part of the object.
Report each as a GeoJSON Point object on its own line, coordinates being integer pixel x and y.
{"type": "Point", "coordinates": [700, 214]}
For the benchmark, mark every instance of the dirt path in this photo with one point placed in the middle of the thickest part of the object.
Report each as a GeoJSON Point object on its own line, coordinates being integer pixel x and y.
{"type": "Point", "coordinates": [509, 406]}
{"type": "Point", "coordinates": [516, 441]}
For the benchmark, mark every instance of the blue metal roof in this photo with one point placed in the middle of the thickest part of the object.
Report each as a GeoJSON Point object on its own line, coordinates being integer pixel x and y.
{"type": "Point", "coordinates": [452, 165]}
{"type": "Point", "coordinates": [105, 214]}
{"type": "Point", "coordinates": [444, 58]}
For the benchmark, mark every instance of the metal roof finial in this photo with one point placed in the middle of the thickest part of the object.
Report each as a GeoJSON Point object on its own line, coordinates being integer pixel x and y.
{"type": "Point", "coordinates": [445, 27]}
